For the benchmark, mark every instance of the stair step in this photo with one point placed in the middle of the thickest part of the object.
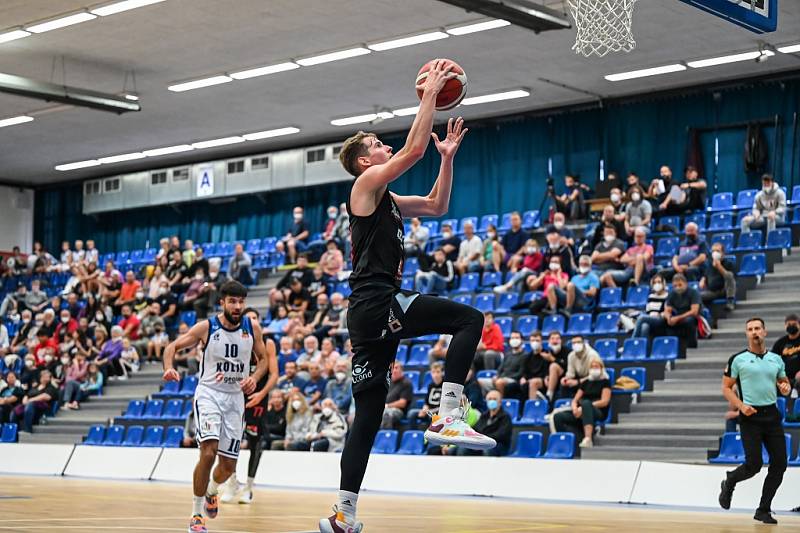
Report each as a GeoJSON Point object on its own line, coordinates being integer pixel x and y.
{"type": "Point", "coordinates": [626, 427]}
{"type": "Point", "coordinates": [47, 438]}
{"type": "Point", "coordinates": [63, 430]}
{"type": "Point", "coordinates": [660, 441]}
{"type": "Point", "coordinates": [671, 418]}
{"type": "Point", "coordinates": [62, 422]}
{"type": "Point", "coordinates": [691, 455]}
{"type": "Point", "coordinates": [657, 406]}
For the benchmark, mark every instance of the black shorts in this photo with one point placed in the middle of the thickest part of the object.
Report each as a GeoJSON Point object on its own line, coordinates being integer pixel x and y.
{"type": "Point", "coordinates": [254, 419]}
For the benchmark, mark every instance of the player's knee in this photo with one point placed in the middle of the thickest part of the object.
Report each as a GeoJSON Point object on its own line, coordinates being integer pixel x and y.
{"type": "Point", "coordinates": [474, 319]}
{"type": "Point", "coordinates": [753, 467]}
{"type": "Point", "coordinates": [208, 454]}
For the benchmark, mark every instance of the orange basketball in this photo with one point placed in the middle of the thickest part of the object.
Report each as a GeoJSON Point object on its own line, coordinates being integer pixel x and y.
{"type": "Point", "coordinates": [454, 90]}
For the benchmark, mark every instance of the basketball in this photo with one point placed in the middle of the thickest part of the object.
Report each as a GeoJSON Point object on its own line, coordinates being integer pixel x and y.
{"type": "Point", "coordinates": [454, 90]}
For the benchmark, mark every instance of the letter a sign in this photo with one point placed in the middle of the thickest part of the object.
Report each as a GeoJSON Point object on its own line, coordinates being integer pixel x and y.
{"type": "Point", "coordinates": [205, 181]}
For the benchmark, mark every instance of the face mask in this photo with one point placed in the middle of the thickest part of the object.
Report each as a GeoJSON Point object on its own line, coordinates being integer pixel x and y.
{"type": "Point", "coordinates": [296, 405]}
{"type": "Point", "coordinates": [331, 214]}
{"type": "Point", "coordinates": [584, 269]}
{"type": "Point", "coordinates": [716, 255]}
{"type": "Point", "coordinates": [536, 346]}
{"type": "Point", "coordinates": [28, 363]}
{"type": "Point", "coordinates": [531, 250]}
{"type": "Point", "coordinates": [595, 373]}
{"type": "Point", "coordinates": [340, 376]}
{"type": "Point", "coordinates": [492, 404]}
{"type": "Point", "coordinates": [766, 188]}
{"type": "Point", "coordinates": [615, 198]}
{"type": "Point", "coordinates": [658, 287]}
{"type": "Point", "coordinates": [491, 235]}
{"type": "Point", "coordinates": [198, 277]}
{"type": "Point", "coordinates": [577, 347]}
{"type": "Point", "coordinates": [26, 320]}
{"type": "Point", "coordinates": [64, 319]}
{"type": "Point", "coordinates": [636, 197]}
{"type": "Point", "coordinates": [40, 323]}
{"type": "Point", "coordinates": [558, 224]}
{"type": "Point", "coordinates": [515, 343]}
{"type": "Point", "coordinates": [555, 266]}
{"type": "Point", "coordinates": [609, 239]}
{"type": "Point", "coordinates": [163, 290]}
{"type": "Point", "coordinates": [327, 411]}
{"type": "Point", "coordinates": [446, 235]}
{"type": "Point", "coordinates": [666, 179]}
{"type": "Point", "coordinates": [298, 217]}
{"type": "Point", "coordinates": [555, 347]}
{"type": "Point", "coordinates": [65, 360]}
{"type": "Point", "coordinates": [48, 359]}
{"type": "Point", "coordinates": [691, 238]}
{"type": "Point", "coordinates": [139, 295]}
{"type": "Point", "coordinates": [791, 329]}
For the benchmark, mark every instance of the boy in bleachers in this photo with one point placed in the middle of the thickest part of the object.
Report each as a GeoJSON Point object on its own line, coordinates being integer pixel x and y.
{"type": "Point", "coordinates": [580, 292]}
{"type": "Point", "coordinates": [719, 280]}
{"type": "Point", "coordinates": [129, 357]}
{"type": "Point", "coordinates": [556, 355]}
{"type": "Point", "coordinates": [535, 373]}
{"type": "Point", "coordinates": [419, 417]}
{"type": "Point", "coordinates": [681, 312]}
{"type": "Point", "coordinates": [769, 207]}
{"type": "Point", "coordinates": [490, 347]}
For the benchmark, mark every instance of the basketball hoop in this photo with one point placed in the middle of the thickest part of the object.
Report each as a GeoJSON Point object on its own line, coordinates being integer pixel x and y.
{"type": "Point", "coordinates": [603, 26]}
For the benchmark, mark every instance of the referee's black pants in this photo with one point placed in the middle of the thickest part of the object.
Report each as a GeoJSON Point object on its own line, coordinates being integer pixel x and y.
{"type": "Point", "coordinates": [763, 427]}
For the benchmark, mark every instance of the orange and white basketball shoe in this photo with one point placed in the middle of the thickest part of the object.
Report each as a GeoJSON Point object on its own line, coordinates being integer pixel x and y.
{"type": "Point", "coordinates": [337, 523]}
{"type": "Point", "coordinates": [451, 429]}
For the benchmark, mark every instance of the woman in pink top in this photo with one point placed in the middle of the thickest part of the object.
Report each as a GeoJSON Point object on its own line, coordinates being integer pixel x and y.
{"type": "Point", "coordinates": [76, 375]}
{"type": "Point", "coordinates": [332, 261]}
{"type": "Point", "coordinates": [554, 275]}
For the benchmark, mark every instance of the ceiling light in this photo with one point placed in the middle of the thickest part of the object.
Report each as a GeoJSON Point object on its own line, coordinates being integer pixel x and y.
{"type": "Point", "coordinates": [270, 133]}
{"type": "Point", "coordinates": [355, 120]}
{"type": "Point", "coordinates": [676, 67]}
{"type": "Point", "coordinates": [263, 71]}
{"type": "Point", "coordinates": [408, 41]}
{"type": "Point", "coordinates": [791, 49]}
{"type": "Point", "coordinates": [62, 22]}
{"type": "Point", "coordinates": [729, 59]}
{"type": "Point", "coordinates": [197, 84]}
{"type": "Point", "coordinates": [121, 158]}
{"type": "Point", "coordinates": [332, 56]}
{"type": "Point", "coordinates": [405, 111]}
{"type": "Point", "coordinates": [118, 7]}
{"type": "Point", "coordinates": [79, 164]}
{"type": "Point", "coordinates": [496, 97]}
{"type": "Point", "coordinates": [168, 150]}
{"type": "Point", "coordinates": [13, 35]}
{"type": "Point", "coordinates": [131, 96]}
{"type": "Point", "coordinates": [218, 142]}
{"type": "Point", "coordinates": [13, 121]}
{"type": "Point", "coordinates": [480, 26]}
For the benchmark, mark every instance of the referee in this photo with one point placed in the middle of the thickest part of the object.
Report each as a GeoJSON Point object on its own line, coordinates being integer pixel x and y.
{"type": "Point", "coordinates": [757, 373]}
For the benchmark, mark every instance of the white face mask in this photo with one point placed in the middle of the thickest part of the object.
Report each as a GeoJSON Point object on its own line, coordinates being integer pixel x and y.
{"type": "Point", "coordinates": [515, 343]}
{"type": "Point", "coordinates": [139, 295]}
{"type": "Point", "coordinates": [766, 188]}
{"type": "Point", "coordinates": [99, 317]}
{"type": "Point", "coordinates": [29, 363]}
{"type": "Point", "coordinates": [536, 346]}
{"type": "Point", "coordinates": [577, 347]}
{"type": "Point", "coordinates": [199, 276]}
{"type": "Point", "coordinates": [716, 255]}
{"type": "Point", "coordinates": [558, 224]}
{"type": "Point", "coordinates": [491, 235]}
{"type": "Point", "coordinates": [65, 360]}
{"type": "Point", "coordinates": [331, 214]}
{"type": "Point", "coordinates": [609, 238]}
{"type": "Point", "coordinates": [555, 266]}
{"type": "Point", "coordinates": [296, 405]}
{"type": "Point", "coordinates": [555, 347]}
{"type": "Point", "coordinates": [446, 235]}
{"type": "Point", "coordinates": [530, 250]}
{"type": "Point", "coordinates": [327, 411]}
{"type": "Point", "coordinates": [64, 319]}
{"type": "Point", "coordinates": [595, 373]}
{"type": "Point", "coordinates": [48, 359]}
{"type": "Point", "coordinates": [583, 269]}
{"type": "Point", "coordinates": [615, 198]}
{"type": "Point", "coordinates": [163, 290]}
{"type": "Point", "coordinates": [636, 197]}
{"type": "Point", "coordinates": [340, 376]}
{"type": "Point", "coordinates": [298, 217]}
{"type": "Point", "coordinates": [26, 320]}
{"type": "Point", "coordinates": [658, 287]}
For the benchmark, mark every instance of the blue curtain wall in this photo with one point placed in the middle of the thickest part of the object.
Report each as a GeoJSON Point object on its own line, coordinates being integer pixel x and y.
{"type": "Point", "coordinates": [502, 166]}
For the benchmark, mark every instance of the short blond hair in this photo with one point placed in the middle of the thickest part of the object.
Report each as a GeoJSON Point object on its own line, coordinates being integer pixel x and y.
{"type": "Point", "coordinates": [352, 149]}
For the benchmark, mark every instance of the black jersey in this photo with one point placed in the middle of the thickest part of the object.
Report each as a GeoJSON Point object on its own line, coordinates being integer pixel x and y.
{"type": "Point", "coordinates": [377, 240]}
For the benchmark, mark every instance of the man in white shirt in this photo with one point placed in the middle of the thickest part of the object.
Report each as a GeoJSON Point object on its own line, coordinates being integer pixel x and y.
{"type": "Point", "coordinates": [469, 251]}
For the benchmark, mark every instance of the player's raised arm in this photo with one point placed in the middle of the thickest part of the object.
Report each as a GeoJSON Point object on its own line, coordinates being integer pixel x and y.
{"type": "Point", "coordinates": [196, 334]}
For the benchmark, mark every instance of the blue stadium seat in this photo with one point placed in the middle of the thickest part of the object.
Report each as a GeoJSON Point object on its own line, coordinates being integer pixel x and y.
{"type": "Point", "coordinates": [465, 299]}
{"type": "Point", "coordinates": [122, 257]}
{"type": "Point", "coordinates": [173, 410]}
{"type": "Point", "coordinates": [190, 317]}
{"type": "Point", "coordinates": [795, 199]}
{"type": "Point", "coordinates": [796, 413]}
{"type": "Point", "coordinates": [673, 221]}
{"type": "Point", "coordinates": [188, 386]}
{"type": "Point", "coordinates": [464, 220]}
{"type": "Point", "coordinates": [533, 413]}
{"type": "Point", "coordinates": [253, 246]}
{"type": "Point", "coordinates": [527, 324]}
{"type": "Point", "coordinates": [553, 323]}
{"type": "Point", "coordinates": [667, 247]}
{"type": "Point", "coordinates": [731, 450]}
{"type": "Point", "coordinates": [606, 348]}
{"type": "Point", "coordinates": [528, 297]}
{"type": "Point", "coordinates": [268, 245]}
{"type": "Point", "coordinates": [427, 379]}
{"type": "Point", "coordinates": [612, 375]}
{"type": "Point", "coordinates": [96, 436]}
{"type": "Point", "coordinates": [505, 323]}
{"type": "Point", "coordinates": [385, 442]}
{"type": "Point", "coordinates": [634, 348]}
{"type": "Point", "coordinates": [779, 239]}
{"type": "Point", "coordinates": [610, 298]}
{"type": "Point", "coordinates": [433, 227]}
{"type": "Point", "coordinates": [402, 354]}
{"type": "Point", "coordinates": [418, 356]}
{"type": "Point", "coordinates": [697, 218]}
{"type": "Point", "coordinates": [505, 302]}
{"type": "Point", "coordinates": [780, 404]}
{"type": "Point", "coordinates": [606, 323]}
{"type": "Point", "coordinates": [561, 402]}
{"type": "Point", "coordinates": [580, 324]}
{"type": "Point", "coordinates": [639, 373]}
{"type": "Point", "coordinates": [187, 408]}
{"type": "Point", "coordinates": [490, 279]}
{"type": "Point", "coordinates": [753, 265]}
{"type": "Point", "coordinates": [750, 241]}
{"type": "Point", "coordinates": [133, 437]}
{"type": "Point", "coordinates": [721, 201]}
{"type": "Point", "coordinates": [114, 436]}
{"type": "Point", "coordinates": [745, 198]}
{"type": "Point", "coordinates": [511, 406]}
{"type": "Point", "coordinates": [505, 222]}
{"type": "Point", "coordinates": [170, 388]}
{"type": "Point", "coordinates": [9, 433]}
{"type": "Point", "coordinates": [664, 348]}
{"type": "Point", "coordinates": [343, 288]}
{"type": "Point", "coordinates": [407, 284]}
{"type": "Point", "coordinates": [531, 219]}
{"type": "Point", "coordinates": [153, 409]}
{"type": "Point", "coordinates": [486, 374]}
{"type": "Point", "coordinates": [412, 443]}
{"type": "Point", "coordinates": [637, 297]}
{"type": "Point", "coordinates": [529, 444]}
{"type": "Point", "coordinates": [721, 222]}
{"type": "Point", "coordinates": [485, 221]}
{"type": "Point", "coordinates": [484, 302]}
{"type": "Point", "coordinates": [413, 377]}
{"type": "Point", "coordinates": [135, 410]}
{"type": "Point", "coordinates": [469, 283]}
{"type": "Point", "coordinates": [153, 437]}
{"type": "Point", "coordinates": [225, 249]}
{"type": "Point", "coordinates": [174, 437]}
{"type": "Point", "coordinates": [560, 446]}
{"type": "Point", "coordinates": [725, 238]}
{"type": "Point", "coordinates": [410, 266]}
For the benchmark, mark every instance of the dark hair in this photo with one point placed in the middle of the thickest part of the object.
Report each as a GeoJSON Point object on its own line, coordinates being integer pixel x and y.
{"type": "Point", "coordinates": [754, 319]}
{"type": "Point", "coordinates": [232, 288]}
{"type": "Point", "coordinates": [679, 277]}
{"type": "Point", "coordinates": [488, 313]}
{"type": "Point", "coordinates": [792, 317]}
{"type": "Point", "coordinates": [535, 333]}
{"type": "Point", "coordinates": [767, 177]}
{"type": "Point", "coordinates": [611, 227]}
{"type": "Point", "coordinates": [252, 310]}
{"type": "Point", "coordinates": [517, 332]}
{"type": "Point", "coordinates": [304, 255]}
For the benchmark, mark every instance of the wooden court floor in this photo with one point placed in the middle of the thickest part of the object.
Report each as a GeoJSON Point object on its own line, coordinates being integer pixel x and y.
{"type": "Point", "coordinates": [30, 504]}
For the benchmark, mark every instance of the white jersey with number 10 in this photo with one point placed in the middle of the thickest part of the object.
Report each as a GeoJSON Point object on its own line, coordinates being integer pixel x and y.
{"type": "Point", "coordinates": [226, 357]}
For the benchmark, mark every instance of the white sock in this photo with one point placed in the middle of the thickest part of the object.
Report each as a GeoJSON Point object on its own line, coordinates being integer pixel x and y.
{"type": "Point", "coordinates": [451, 397]}
{"type": "Point", "coordinates": [213, 487]}
{"type": "Point", "coordinates": [197, 505]}
{"type": "Point", "coordinates": [347, 505]}
{"type": "Point", "coordinates": [250, 482]}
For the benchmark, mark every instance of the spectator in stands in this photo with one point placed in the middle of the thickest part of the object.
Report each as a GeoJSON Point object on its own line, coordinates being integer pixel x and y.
{"type": "Point", "coordinates": [149, 337]}
{"type": "Point", "coordinates": [290, 381]}
{"type": "Point", "coordinates": [130, 323]}
{"type": "Point", "coordinates": [239, 267]}
{"type": "Point", "coordinates": [128, 290]}
{"type": "Point", "coordinates": [530, 265]}
{"type": "Point", "coordinates": [580, 292]}
{"type": "Point", "coordinates": [298, 421]}
{"type": "Point", "coordinates": [315, 386]}
{"type": "Point", "coordinates": [5, 342]}
{"type": "Point", "coordinates": [695, 189]}
{"type": "Point", "coordinates": [606, 255]}
{"type": "Point", "coordinates": [74, 307]}
{"type": "Point", "coordinates": [330, 223]}
{"type": "Point", "coordinates": [578, 363]}
{"type": "Point", "coordinates": [152, 283]}
{"type": "Point", "coordinates": [168, 305]}
{"type": "Point", "coordinates": [30, 373]}
{"type": "Point", "coordinates": [536, 368]}
{"type": "Point", "coordinates": [398, 399]}
{"type": "Point", "coordinates": [199, 262]}
{"type": "Point", "coordinates": [571, 202]}
{"type": "Point", "coordinates": [35, 299]}
{"type": "Point", "coordinates": [438, 352]}
{"type": "Point", "coordinates": [416, 239]}
{"type": "Point", "coordinates": [77, 374]}
{"type": "Point", "coordinates": [319, 284]}
{"type": "Point", "coordinates": [328, 429]}
{"type": "Point", "coordinates": [633, 180]}
{"type": "Point", "coordinates": [719, 280]}
{"type": "Point", "coordinates": [14, 302]}
{"type": "Point", "coordinates": [492, 253]}
{"type": "Point", "coordinates": [296, 238]}
{"type": "Point", "coordinates": [310, 355]}
{"type": "Point", "coordinates": [279, 322]}
{"type": "Point", "coordinates": [301, 271]}
{"type": "Point", "coordinates": [637, 262]}
{"type": "Point", "coordinates": [129, 356]}
{"type": "Point", "coordinates": [298, 299]}
{"type": "Point", "coordinates": [65, 329]}
{"type": "Point", "coordinates": [340, 388]}
{"type": "Point", "coordinates": [108, 360]}
{"type": "Point", "coordinates": [494, 423]}
{"type": "Point", "coordinates": [163, 248]}
{"type": "Point", "coordinates": [10, 396]}
{"type": "Point", "coordinates": [37, 401]}
{"type": "Point", "coordinates": [331, 316]}
{"type": "Point", "coordinates": [469, 251]}
{"type": "Point", "coordinates": [49, 322]}
{"type": "Point", "coordinates": [590, 404]}
{"type": "Point", "coordinates": [616, 197]}
{"type": "Point", "coordinates": [514, 239]}
{"type": "Point", "coordinates": [275, 421]}
{"type": "Point", "coordinates": [110, 286]}
{"type": "Point", "coordinates": [490, 347]}
{"type": "Point", "coordinates": [25, 332]}
{"type": "Point", "coordinates": [341, 230]}
{"type": "Point", "coordinates": [651, 322]}
{"type": "Point", "coordinates": [16, 263]}
{"type": "Point", "coordinates": [788, 347]}
{"type": "Point", "coordinates": [440, 276]}
{"type": "Point", "coordinates": [663, 187]}
{"type": "Point", "coordinates": [285, 353]}
{"type": "Point", "coordinates": [511, 368]}
{"type": "Point", "coordinates": [189, 254]}
{"type": "Point", "coordinates": [92, 255]}
{"type": "Point", "coordinates": [560, 224]}
{"type": "Point", "coordinates": [198, 294]}
{"type": "Point", "coordinates": [41, 260]}
{"type": "Point", "coordinates": [556, 247]}
{"type": "Point", "coordinates": [638, 212]}
{"type": "Point", "coordinates": [691, 258]}
{"type": "Point", "coordinates": [769, 207]}
{"type": "Point", "coordinates": [46, 349]}
{"type": "Point", "coordinates": [328, 355]}
{"type": "Point", "coordinates": [548, 281]}
{"type": "Point", "coordinates": [556, 354]}
{"type": "Point", "coordinates": [682, 311]}
{"type": "Point", "coordinates": [332, 261]}
{"type": "Point", "coordinates": [433, 397]}
{"type": "Point", "coordinates": [320, 308]}
{"type": "Point", "coordinates": [450, 242]}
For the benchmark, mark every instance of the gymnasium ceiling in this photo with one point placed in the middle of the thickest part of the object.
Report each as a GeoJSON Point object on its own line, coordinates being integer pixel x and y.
{"type": "Point", "coordinates": [185, 39]}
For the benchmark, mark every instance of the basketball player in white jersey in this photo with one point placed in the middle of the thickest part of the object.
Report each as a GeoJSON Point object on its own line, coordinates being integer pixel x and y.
{"type": "Point", "coordinates": [229, 338]}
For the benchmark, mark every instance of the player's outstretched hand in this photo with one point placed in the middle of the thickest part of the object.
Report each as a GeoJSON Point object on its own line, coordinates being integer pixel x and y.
{"type": "Point", "coordinates": [171, 375]}
{"type": "Point", "coordinates": [455, 134]}
{"type": "Point", "coordinates": [248, 385]}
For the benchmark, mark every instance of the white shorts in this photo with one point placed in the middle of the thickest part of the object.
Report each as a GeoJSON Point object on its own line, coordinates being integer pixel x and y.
{"type": "Point", "coordinates": [219, 416]}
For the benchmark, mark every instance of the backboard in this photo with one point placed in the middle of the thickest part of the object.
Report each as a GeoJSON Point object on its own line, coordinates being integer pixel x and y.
{"type": "Point", "coordinates": [759, 16]}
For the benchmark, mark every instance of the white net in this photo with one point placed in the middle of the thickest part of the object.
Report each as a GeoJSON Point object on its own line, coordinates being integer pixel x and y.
{"type": "Point", "coordinates": [603, 26]}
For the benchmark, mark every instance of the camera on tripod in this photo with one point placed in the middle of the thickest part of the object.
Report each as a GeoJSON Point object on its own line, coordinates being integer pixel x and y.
{"type": "Point", "coordinates": [551, 187]}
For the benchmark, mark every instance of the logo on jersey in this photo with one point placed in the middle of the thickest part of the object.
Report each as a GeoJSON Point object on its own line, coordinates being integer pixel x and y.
{"type": "Point", "coordinates": [216, 336]}
{"type": "Point", "coordinates": [389, 378]}
{"type": "Point", "coordinates": [361, 373]}
{"type": "Point", "coordinates": [395, 211]}
{"type": "Point", "coordinates": [394, 324]}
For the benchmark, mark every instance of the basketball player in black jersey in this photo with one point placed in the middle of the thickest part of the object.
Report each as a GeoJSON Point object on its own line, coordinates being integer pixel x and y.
{"type": "Point", "coordinates": [380, 313]}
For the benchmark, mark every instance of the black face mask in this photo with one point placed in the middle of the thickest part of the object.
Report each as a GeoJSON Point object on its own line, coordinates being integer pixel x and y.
{"type": "Point", "coordinates": [792, 329]}
{"type": "Point", "coordinates": [691, 238]}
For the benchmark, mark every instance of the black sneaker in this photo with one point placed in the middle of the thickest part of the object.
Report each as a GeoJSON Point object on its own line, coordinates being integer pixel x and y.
{"type": "Point", "coordinates": [765, 517]}
{"type": "Point", "coordinates": [796, 509]}
{"type": "Point", "coordinates": [725, 494]}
